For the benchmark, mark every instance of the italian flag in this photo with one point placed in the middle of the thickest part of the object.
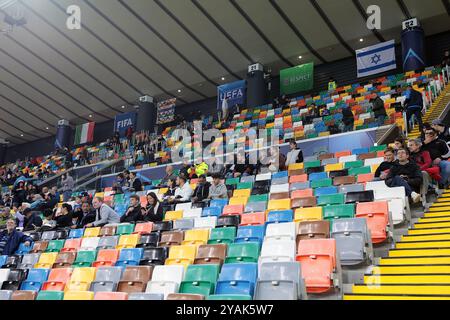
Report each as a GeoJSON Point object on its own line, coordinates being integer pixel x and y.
{"type": "Point", "coordinates": [84, 133]}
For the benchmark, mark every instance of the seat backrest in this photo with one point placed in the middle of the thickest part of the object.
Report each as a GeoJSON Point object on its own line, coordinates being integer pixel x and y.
{"type": "Point", "coordinates": [283, 204]}
{"type": "Point", "coordinates": [278, 249]}
{"type": "Point", "coordinates": [170, 238]}
{"type": "Point", "coordinates": [91, 232]}
{"type": "Point", "coordinates": [72, 244]}
{"type": "Point", "coordinates": [83, 275]}
{"type": "Point", "coordinates": [330, 199]}
{"type": "Point", "coordinates": [279, 271]}
{"type": "Point", "coordinates": [317, 247]}
{"type": "Point", "coordinates": [184, 296]}
{"type": "Point", "coordinates": [211, 254]}
{"type": "Point", "coordinates": [183, 252]}
{"type": "Point", "coordinates": [65, 258]}
{"type": "Point", "coordinates": [108, 242]}
{"type": "Point", "coordinates": [89, 243]}
{"type": "Point", "coordinates": [256, 218]}
{"type": "Point", "coordinates": [212, 211]}
{"type": "Point", "coordinates": [280, 216]}
{"type": "Point", "coordinates": [250, 233]}
{"type": "Point", "coordinates": [351, 188]}
{"type": "Point", "coordinates": [280, 231]}
{"type": "Point", "coordinates": [279, 188]}
{"type": "Point", "coordinates": [205, 222]}
{"type": "Point", "coordinates": [313, 229]}
{"type": "Point", "coordinates": [222, 235]}
{"type": "Point", "coordinates": [48, 235]}
{"type": "Point", "coordinates": [339, 211]}
{"type": "Point", "coordinates": [134, 254]}
{"type": "Point", "coordinates": [107, 231]}
{"type": "Point", "coordinates": [243, 252]}
{"type": "Point", "coordinates": [354, 225]}
{"type": "Point", "coordinates": [233, 209]}
{"type": "Point", "coordinates": [137, 274]}
{"type": "Point", "coordinates": [183, 224]}
{"type": "Point", "coordinates": [325, 190]}
{"type": "Point", "coordinates": [356, 197]}
{"type": "Point", "coordinates": [196, 236]}
{"type": "Point", "coordinates": [38, 275]}
{"type": "Point", "coordinates": [337, 181]}
{"type": "Point", "coordinates": [308, 214]}
{"type": "Point", "coordinates": [111, 296]}
{"type": "Point", "coordinates": [302, 193]}
{"type": "Point", "coordinates": [23, 295]}
{"type": "Point", "coordinates": [228, 221]}
{"type": "Point", "coordinates": [239, 272]}
{"type": "Point", "coordinates": [206, 272]}
{"type": "Point", "coordinates": [108, 274]}
{"type": "Point", "coordinates": [60, 275]}
{"type": "Point", "coordinates": [5, 295]}
{"type": "Point", "coordinates": [371, 208]}
{"type": "Point", "coordinates": [173, 273]}
{"type": "Point", "coordinates": [144, 228]}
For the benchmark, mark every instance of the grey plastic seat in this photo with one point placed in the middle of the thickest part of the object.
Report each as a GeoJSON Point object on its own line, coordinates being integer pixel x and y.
{"type": "Point", "coordinates": [5, 294]}
{"type": "Point", "coordinates": [106, 279]}
{"type": "Point", "coordinates": [48, 235]}
{"type": "Point", "coordinates": [29, 260]}
{"type": "Point", "coordinates": [282, 180]}
{"type": "Point", "coordinates": [329, 161]}
{"type": "Point", "coordinates": [248, 179]}
{"type": "Point", "coordinates": [145, 296]}
{"type": "Point", "coordinates": [259, 206]}
{"type": "Point", "coordinates": [108, 242]}
{"type": "Point", "coordinates": [280, 281]}
{"type": "Point", "coordinates": [310, 159]}
{"type": "Point", "coordinates": [299, 186]}
{"type": "Point", "coordinates": [351, 188]}
{"type": "Point", "coordinates": [183, 224]}
{"type": "Point", "coordinates": [351, 237]}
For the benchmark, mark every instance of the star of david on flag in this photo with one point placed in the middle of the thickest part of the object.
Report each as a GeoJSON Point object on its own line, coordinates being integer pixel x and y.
{"type": "Point", "coordinates": [376, 59]}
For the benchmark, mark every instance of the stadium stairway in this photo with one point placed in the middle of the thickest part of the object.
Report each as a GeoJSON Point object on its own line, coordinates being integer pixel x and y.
{"type": "Point", "coordinates": [435, 110]}
{"type": "Point", "coordinates": [419, 266]}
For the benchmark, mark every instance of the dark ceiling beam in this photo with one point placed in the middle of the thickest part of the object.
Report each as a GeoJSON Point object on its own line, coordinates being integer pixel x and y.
{"type": "Point", "coordinates": [196, 39]}
{"type": "Point", "coordinates": [330, 25]}
{"type": "Point", "coordinates": [261, 34]}
{"type": "Point", "coordinates": [296, 30]}
{"type": "Point", "coordinates": [146, 52]}
{"type": "Point", "coordinates": [404, 9]}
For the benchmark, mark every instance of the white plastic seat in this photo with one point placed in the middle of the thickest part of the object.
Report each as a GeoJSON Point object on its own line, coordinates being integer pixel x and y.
{"type": "Point", "coordinates": [192, 213]}
{"type": "Point", "coordinates": [165, 280]}
{"type": "Point", "coordinates": [280, 232]}
{"type": "Point", "coordinates": [277, 251]}
{"type": "Point", "coordinates": [264, 176]}
{"type": "Point", "coordinates": [373, 161]}
{"type": "Point", "coordinates": [89, 244]}
{"type": "Point", "coordinates": [376, 185]}
{"type": "Point", "coordinates": [183, 206]}
{"type": "Point", "coordinates": [397, 202]}
{"type": "Point", "coordinates": [205, 222]}
{"type": "Point", "coordinates": [4, 274]}
{"type": "Point", "coordinates": [351, 158]}
{"type": "Point", "coordinates": [279, 188]}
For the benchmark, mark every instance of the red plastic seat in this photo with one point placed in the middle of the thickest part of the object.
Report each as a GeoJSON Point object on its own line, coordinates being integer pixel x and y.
{"type": "Point", "coordinates": [111, 296]}
{"type": "Point", "coordinates": [143, 228]}
{"type": "Point", "coordinates": [342, 154]}
{"type": "Point", "coordinates": [253, 219]}
{"type": "Point", "coordinates": [377, 216]}
{"type": "Point", "coordinates": [236, 209]}
{"type": "Point", "coordinates": [318, 261]}
{"type": "Point", "coordinates": [297, 194]}
{"type": "Point", "coordinates": [363, 178]}
{"type": "Point", "coordinates": [299, 178]}
{"type": "Point", "coordinates": [57, 279]}
{"type": "Point", "coordinates": [72, 245]}
{"type": "Point", "coordinates": [106, 258]}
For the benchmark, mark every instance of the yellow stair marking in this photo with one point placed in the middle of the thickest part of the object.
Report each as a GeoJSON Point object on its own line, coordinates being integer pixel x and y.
{"type": "Point", "coordinates": [415, 261]}
{"type": "Point", "coordinates": [439, 209]}
{"type": "Point", "coordinates": [424, 244]}
{"type": "Point", "coordinates": [403, 289]}
{"type": "Point", "coordinates": [431, 225]}
{"type": "Point", "coordinates": [428, 231]}
{"type": "Point", "coordinates": [407, 279]}
{"type": "Point", "coordinates": [419, 252]}
{"type": "Point", "coordinates": [434, 219]}
{"type": "Point", "coordinates": [432, 237]}
{"type": "Point", "coordinates": [426, 269]}
{"type": "Point", "coordinates": [350, 297]}
{"type": "Point", "coordinates": [436, 214]}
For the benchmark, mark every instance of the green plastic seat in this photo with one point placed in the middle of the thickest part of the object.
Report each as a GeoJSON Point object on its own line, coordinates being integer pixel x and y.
{"type": "Point", "coordinates": [200, 279]}
{"type": "Point", "coordinates": [312, 164]}
{"type": "Point", "coordinates": [321, 183]}
{"type": "Point", "coordinates": [244, 185]}
{"type": "Point", "coordinates": [259, 198]}
{"type": "Point", "coordinates": [232, 181]}
{"type": "Point", "coordinates": [50, 295]}
{"type": "Point", "coordinates": [354, 164]}
{"type": "Point", "coordinates": [331, 199]}
{"type": "Point", "coordinates": [378, 148]}
{"type": "Point", "coordinates": [228, 297]}
{"type": "Point", "coordinates": [358, 171]}
{"type": "Point", "coordinates": [124, 229]}
{"type": "Point", "coordinates": [340, 211]}
{"type": "Point", "coordinates": [242, 252]}
{"type": "Point", "coordinates": [119, 199]}
{"type": "Point", "coordinates": [312, 136]}
{"type": "Point", "coordinates": [84, 259]}
{"type": "Point", "coordinates": [222, 235]}
{"type": "Point", "coordinates": [176, 172]}
{"type": "Point", "coordinates": [156, 182]}
{"type": "Point", "coordinates": [55, 246]}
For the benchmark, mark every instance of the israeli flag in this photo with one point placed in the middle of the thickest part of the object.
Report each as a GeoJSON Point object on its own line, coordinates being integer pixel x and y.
{"type": "Point", "coordinates": [376, 59]}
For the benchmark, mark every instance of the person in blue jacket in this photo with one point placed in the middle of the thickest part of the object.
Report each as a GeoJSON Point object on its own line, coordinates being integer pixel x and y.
{"type": "Point", "coordinates": [10, 239]}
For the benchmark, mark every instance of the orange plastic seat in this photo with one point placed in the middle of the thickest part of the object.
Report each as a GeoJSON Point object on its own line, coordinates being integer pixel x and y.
{"type": "Point", "coordinates": [342, 154]}
{"type": "Point", "coordinates": [297, 194]}
{"type": "Point", "coordinates": [318, 261]}
{"type": "Point", "coordinates": [72, 245]}
{"type": "Point", "coordinates": [233, 210]}
{"type": "Point", "coordinates": [57, 279]}
{"type": "Point", "coordinates": [106, 258]}
{"type": "Point", "coordinates": [363, 178]}
{"type": "Point", "coordinates": [253, 219]}
{"type": "Point", "coordinates": [143, 200]}
{"type": "Point", "coordinates": [298, 178]}
{"type": "Point", "coordinates": [377, 216]}
{"type": "Point", "coordinates": [111, 296]}
{"type": "Point", "coordinates": [143, 228]}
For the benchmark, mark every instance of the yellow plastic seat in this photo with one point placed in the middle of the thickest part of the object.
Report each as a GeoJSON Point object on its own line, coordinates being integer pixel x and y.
{"type": "Point", "coordinates": [128, 241]}
{"type": "Point", "coordinates": [81, 279]}
{"type": "Point", "coordinates": [182, 255]}
{"type": "Point", "coordinates": [46, 260]}
{"type": "Point", "coordinates": [374, 168]}
{"type": "Point", "coordinates": [308, 214]}
{"type": "Point", "coordinates": [163, 190]}
{"type": "Point", "coordinates": [334, 167]}
{"type": "Point", "coordinates": [91, 232]}
{"type": "Point", "coordinates": [79, 295]}
{"type": "Point", "coordinates": [173, 215]}
{"type": "Point", "coordinates": [238, 201]}
{"type": "Point", "coordinates": [100, 194]}
{"type": "Point", "coordinates": [283, 204]}
{"type": "Point", "coordinates": [324, 134]}
{"type": "Point", "coordinates": [296, 166]}
{"type": "Point", "coordinates": [196, 237]}
{"type": "Point", "coordinates": [242, 193]}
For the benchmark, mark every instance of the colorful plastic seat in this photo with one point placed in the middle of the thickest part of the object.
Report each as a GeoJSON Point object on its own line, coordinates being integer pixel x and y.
{"type": "Point", "coordinates": [211, 254]}
{"type": "Point", "coordinates": [182, 255]}
{"type": "Point", "coordinates": [237, 279]}
{"type": "Point", "coordinates": [72, 245]}
{"type": "Point", "coordinates": [124, 229]}
{"type": "Point", "coordinates": [81, 279]}
{"type": "Point", "coordinates": [129, 257]}
{"type": "Point", "coordinates": [222, 235]}
{"type": "Point", "coordinates": [243, 252]}
{"type": "Point", "coordinates": [78, 295]}
{"type": "Point", "coordinates": [200, 279]}
{"type": "Point", "coordinates": [91, 232]}
{"type": "Point", "coordinates": [46, 260]}
{"type": "Point", "coordinates": [196, 237]}
{"type": "Point", "coordinates": [377, 216]}
{"type": "Point", "coordinates": [57, 279]}
{"type": "Point", "coordinates": [35, 279]}
{"type": "Point", "coordinates": [135, 279]}
{"type": "Point", "coordinates": [106, 258]}
{"type": "Point", "coordinates": [128, 241]}
{"type": "Point", "coordinates": [308, 214]}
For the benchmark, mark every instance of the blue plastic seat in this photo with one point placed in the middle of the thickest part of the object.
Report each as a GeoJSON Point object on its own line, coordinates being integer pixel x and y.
{"type": "Point", "coordinates": [360, 151]}
{"type": "Point", "coordinates": [250, 234]}
{"type": "Point", "coordinates": [237, 278]}
{"type": "Point", "coordinates": [35, 279]}
{"type": "Point", "coordinates": [211, 212]}
{"type": "Point", "coordinates": [280, 216]}
{"type": "Point", "coordinates": [281, 174]}
{"type": "Point", "coordinates": [325, 191]}
{"type": "Point", "coordinates": [130, 257]}
{"type": "Point", "coordinates": [3, 260]}
{"type": "Point", "coordinates": [220, 203]}
{"type": "Point", "coordinates": [76, 233]}
{"type": "Point", "coordinates": [317, 176]}
{"type": "Point", "coordinates": [23, 249]}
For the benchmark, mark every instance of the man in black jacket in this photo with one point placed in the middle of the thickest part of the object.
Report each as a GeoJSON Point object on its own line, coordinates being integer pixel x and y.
{"type": "Point", "coordinates": [414, 105]}
{"type": "Point", "coordinates": [378, 109]}
{"type": "Point", "coordinates": [405, 174]}
{"type": "Point", "coordinates": [134, 211]}
{"type": "Point", "coordinates": [386, 165]}
{"type": "Point", "coordinates": [201, 192]}
{"type": "Point", "coordinates": [348, 119]}
{"type": "Point", "coordinates": [439, 153]}
{"type": "Point", "coordinates": [32, 220]}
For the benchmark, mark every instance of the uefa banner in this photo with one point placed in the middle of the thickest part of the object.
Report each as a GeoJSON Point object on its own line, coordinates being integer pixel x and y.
{"type": "Point", "coordinates": [297, 79]}
{"type": "Point", "coordinates": [234, 93]}
{"type": "Point", "coordinates": [166, 111]}
{"type": "Point", "coordinates": [124, 121]}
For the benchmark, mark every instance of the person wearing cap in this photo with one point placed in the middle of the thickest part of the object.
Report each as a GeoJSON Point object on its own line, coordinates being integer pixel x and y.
{"type": "Point", "coordinates": [10, 239]}
{"type": "Point", "coordinates": [442, 130]}
{"type": "Point", "coordinates": [32, 220]}
{"type": "Point", "coordinates": [378, 109]}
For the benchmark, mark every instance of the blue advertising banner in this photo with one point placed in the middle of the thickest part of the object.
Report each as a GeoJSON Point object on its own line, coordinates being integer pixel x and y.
{"type": "Point", "coordinates": [234, 93]}
{"type": "Point", "coordinates": [125, 121]}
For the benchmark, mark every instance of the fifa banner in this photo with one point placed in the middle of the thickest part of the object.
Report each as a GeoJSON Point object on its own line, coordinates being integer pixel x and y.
{"type": "Point", "coordinates": [297, 79]}
{"type": "Point", "coordinates": [124, 121]}
{"type": "Point", "coordinates": [166, 111]}
{"type": "Point", "coordinates": [376, 59]}
{"type": "Point", "coordinates": [84, 133]}
{"type": "Point", "coordinates": [231, 94]}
